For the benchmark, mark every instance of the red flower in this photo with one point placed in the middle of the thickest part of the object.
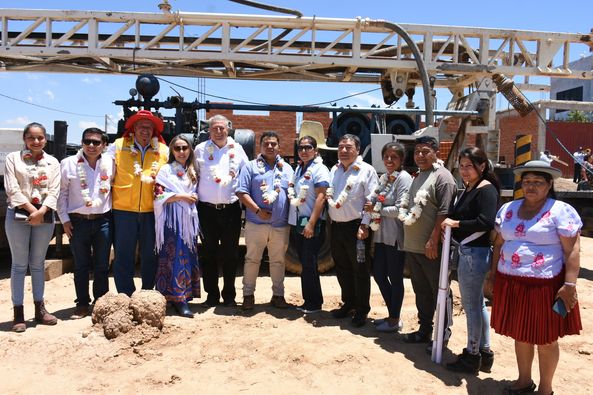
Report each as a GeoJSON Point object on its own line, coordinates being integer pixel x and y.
{"type": "Point", "coordinates": [520, 230]}
{"type": "Point", "coordinates": [539, 260]}
{"type": "Point", "coordinates": [80, 160]}
{"type": "Point", "coordinates": [509, 214]}
{"type": "Point", "coordinates": [179, 173]}
{"type": "Point", "coordinates": [217, 180]}
{"type": "Point", "coordinates": [381, 198]}
{"type": "Point", "coordinates": [338, 205]}
{"type": "Point", "coordinates": [210, 157]}
{"type": "Point", "coordinates": [89, 203]}
{"type": "Point", "coordinates": [307, 177]}
{"type": "Point", "coordinates": [516, 260]}
{"type": "Point", "coordinates": [415, 174]}
{"type": "Point", "coordinates": [104, 177]}
{"type": "Point", "coordinates": [35, 200]}
{"type": "Point", "coordinates": [231, 155]}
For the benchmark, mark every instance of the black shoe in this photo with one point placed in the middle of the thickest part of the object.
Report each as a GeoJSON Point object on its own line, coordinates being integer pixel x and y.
{"type": "Point", "coordinates": [416, 337]}
{"type": "Point", "coordinates": [528, 389]}
{"type": "Point", "coordinates": [342, 312]}
{"type": "Point", "coordinates": [466, 363]}
{"type": "Point", "coordinates": [183, 309]}
{"type": "Point", "coordinates": [487, 361]}
{"type": "Point", "coordinates": [359, 320]}
{"type": "Point", "coordinates": [210, 303]}
{"type": "Point", "coordinates": [229, 303]}
{"type": "Point", "coordinates": [429, 347]}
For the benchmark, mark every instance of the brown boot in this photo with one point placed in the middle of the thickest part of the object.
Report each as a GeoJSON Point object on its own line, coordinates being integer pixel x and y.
{"type": "Point", "coordinates": [18, 324]}
{"type": "Point", "coordinates": [42, 316]}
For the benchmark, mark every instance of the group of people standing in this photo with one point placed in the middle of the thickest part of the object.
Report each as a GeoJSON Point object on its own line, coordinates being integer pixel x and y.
{"type": "Point", "coordinates": [138, 191]}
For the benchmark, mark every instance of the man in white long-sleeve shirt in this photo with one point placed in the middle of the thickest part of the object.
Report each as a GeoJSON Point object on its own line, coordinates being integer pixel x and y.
{"type": "Point", "coordinates": [352, 183]}
{"type": "Point", "coordinates": [84, 208]}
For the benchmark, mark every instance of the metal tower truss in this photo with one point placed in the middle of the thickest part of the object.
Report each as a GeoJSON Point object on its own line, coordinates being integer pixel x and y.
{"type": "Point", "coordinates": [276, 47]}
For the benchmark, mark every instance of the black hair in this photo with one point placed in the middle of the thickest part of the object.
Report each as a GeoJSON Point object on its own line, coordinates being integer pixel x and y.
{"type": "Point", "coordinates": [269, 134]}
{"type": "Point", "coordinates": [478, 157]}
{"type": "Point", "coordinates": [399, 149]}
{"type": "Point", "coordinates": [311, 140]}
{"type": "Point", "coordinates": [104, 137]}
{"type": "Point", "coordinates": [34, 125]}
{"type": "Point", "coordinates": [352, 137]}
{"type": "Point", "coordinates": [548, 177]}
{"type": "Point", "coordinates": [431, 141]}
{"type": "Point", "coordinates": [189, 164]}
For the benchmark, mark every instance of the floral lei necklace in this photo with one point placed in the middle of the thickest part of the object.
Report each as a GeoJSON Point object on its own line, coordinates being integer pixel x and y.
{"type": "Point", "coordinates": [297, 200]}
{"type": "Point", "coordinates": [386, 183]}
{"type": "Point", "coordinates": [270, 196]}
{"type": "Point", "coordinates": [347, 188]}
{"type": "Point", "coordinates": [409, 217]}
{"type": "Point", "coordinates": [154, 167]}
{"type": "Point", "coordinates": [104, 183]}
{"type": "Point", "coordinates": [36, 171]}
{"type": "Point", "coordinates": [225, 179]}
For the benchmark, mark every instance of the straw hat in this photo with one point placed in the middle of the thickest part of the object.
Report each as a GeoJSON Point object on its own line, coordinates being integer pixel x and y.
{"type": "Point", "coordinates": [538, 166]}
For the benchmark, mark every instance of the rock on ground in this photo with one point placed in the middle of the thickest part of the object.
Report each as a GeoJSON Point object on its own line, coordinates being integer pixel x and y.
{"type": "Point", "coordinates": [149, 307]}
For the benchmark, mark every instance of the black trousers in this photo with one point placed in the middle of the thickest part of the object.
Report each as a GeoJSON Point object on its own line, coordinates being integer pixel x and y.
{"type": "Point", "coordinates": [220, 230]}
{"type": "Point", "coordinates": [577, 173]}
{"type": "Point", "coordinates": [354, 277]}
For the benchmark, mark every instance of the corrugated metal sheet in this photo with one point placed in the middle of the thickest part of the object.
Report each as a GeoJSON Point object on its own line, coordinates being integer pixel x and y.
{"type": "Point", "coordinates": [572, 135]}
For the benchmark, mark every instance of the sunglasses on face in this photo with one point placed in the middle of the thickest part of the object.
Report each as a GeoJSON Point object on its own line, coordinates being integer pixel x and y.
{"type": "Point", "coordinates": [181, 148]}
{"type": "Point", "coordinates": [305, 147]}
{"type": "Point", "coordinates": [96, 143]}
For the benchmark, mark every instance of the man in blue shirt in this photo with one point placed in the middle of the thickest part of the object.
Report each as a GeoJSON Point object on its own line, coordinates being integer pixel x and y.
{"type": "Point", "coordinates": [262, 189]}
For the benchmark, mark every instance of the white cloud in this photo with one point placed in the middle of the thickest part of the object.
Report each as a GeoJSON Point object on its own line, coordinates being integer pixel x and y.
{"type": "Point", "coordinates": [82, 125]}
{"type": "Point", "coordinates": [50, 95]}
{"type": "Point", "coordinates": [364, 100]}
{"type": "Point", "coordinates": [18, 121]}
{"type": "Point", "coordinates": [91, 80]}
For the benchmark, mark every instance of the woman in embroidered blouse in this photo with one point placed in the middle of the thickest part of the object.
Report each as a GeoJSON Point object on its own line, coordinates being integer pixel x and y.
{"type": "Point", "coordinates": [388, 262]}
{"type": "Point", "coordinates": [176, 225]}
{"type": "Point", "coordinates": [307, 199]}
{"type": "Point", "coordinates": [472, 220]}
{"type": "Point", "coordinates": [32, 183]}
{"type": "Point", "coordinates": [535, 261]}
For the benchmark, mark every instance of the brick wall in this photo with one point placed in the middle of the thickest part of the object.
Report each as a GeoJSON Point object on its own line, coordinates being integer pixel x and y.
{"type": "Point", "coordinates": [511, 125]}
{"type": "Point", "coordinates": [283, 123]}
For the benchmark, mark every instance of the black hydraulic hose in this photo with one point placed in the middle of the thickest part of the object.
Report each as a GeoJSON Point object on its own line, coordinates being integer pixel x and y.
{"type": "Point", "coordinates": [268, 7]}
{"type": "Point", "coordinates": [419, 62]}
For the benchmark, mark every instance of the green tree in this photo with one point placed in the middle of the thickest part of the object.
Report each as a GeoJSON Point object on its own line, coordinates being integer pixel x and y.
{"type": "Point", "coordinates": [579, 116]}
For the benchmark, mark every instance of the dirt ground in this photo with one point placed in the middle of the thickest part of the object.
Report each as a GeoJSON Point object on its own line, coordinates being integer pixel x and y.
{"type": "Point", "coordinates": [225, 351]}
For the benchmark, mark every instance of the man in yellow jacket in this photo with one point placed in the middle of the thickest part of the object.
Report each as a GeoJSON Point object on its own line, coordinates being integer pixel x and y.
{"type": "Point", "coordinates": [138, 156]}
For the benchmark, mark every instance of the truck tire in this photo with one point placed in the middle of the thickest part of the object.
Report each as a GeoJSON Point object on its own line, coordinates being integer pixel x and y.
{"type": "Point", "coordinates": [325, 261]}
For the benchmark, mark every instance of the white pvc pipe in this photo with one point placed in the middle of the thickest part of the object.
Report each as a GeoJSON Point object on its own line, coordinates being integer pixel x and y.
{"type": "Point", "coordinates": [437, 335]}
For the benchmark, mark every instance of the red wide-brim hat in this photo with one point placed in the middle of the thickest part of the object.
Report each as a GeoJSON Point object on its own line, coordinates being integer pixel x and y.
{"type": "Point", "coordinates": [145, 114]}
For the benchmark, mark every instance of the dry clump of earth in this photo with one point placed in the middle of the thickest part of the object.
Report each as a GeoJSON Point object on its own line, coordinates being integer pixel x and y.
{"type": "Point", "coordinates": [118, 314]}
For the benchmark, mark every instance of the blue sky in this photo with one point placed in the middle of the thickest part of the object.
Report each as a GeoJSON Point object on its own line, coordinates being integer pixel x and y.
{"type": "Point", "coordinates": [93, 94]}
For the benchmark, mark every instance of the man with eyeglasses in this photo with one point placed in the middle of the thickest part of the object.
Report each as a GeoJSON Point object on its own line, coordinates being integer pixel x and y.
{"type": "Point", "coordinates": [219, 161]}
{"type": "Point", "coordinates": [138, 156]}
{"type": "Point", "coordinates": [262, 189]}
{"type": "Point", "coordinates": [84, 208]}
{"type": "Point", "coordinates": [352, 183]}
{"type": "Point", "coordinates": [422, 212]}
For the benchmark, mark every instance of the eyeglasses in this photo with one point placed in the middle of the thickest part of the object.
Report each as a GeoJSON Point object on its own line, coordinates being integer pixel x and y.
{"type": "Point", "coordinates": [272, 144]}
{"type": "Point", "coordinates": [180, 148]}
{"type": "Point", "coordinates": [96, 143]}
{"type": "Point", "coordinates": [308, 147]}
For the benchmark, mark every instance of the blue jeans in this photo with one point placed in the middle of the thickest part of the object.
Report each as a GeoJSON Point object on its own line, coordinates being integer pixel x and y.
{"type": "Point", "coordinates": [308, 251]}
{"type": "Point", "coordinates": [28, 246]}
{"type": "Point", "coordinates": [474, 264]}
{"type": "Point", "coordinates": [131, 228]}
{"type": "Point", "coordinates": [388, 272]}
{"type": "Point", "coordinates": [90, 235]}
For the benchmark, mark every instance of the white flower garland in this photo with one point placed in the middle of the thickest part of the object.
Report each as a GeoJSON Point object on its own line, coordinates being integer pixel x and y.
{"type": "Point", "coordinates": [386, 183]}
{"type": "Point", "coordinates": [408, 217]}
{"type": "Point", "coordinates": [104, 183]}
{"type": "Point", "coordinates": [347, 188]}
{"type": "Point", "coordinates": [226, 179]}
{"type": "Point", "coordinates": [297, 200]}
{"type": "Point", "coordinates": [38, 175]}
{"type": "Point", "coordinates": [154, 167]}
{"type": "Point", "coordinates": [270, 196]}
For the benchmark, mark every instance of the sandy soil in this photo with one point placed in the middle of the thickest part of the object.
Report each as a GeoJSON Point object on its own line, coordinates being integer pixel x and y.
{"type": "Point", "coordinates": [223, 350]}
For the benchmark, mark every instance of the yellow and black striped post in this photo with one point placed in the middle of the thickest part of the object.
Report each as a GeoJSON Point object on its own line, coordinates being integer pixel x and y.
{"type": "Point", "coordinates": [522, 156]}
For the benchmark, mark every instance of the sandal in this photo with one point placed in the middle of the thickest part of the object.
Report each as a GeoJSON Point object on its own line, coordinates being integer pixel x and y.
{"type": "Point", "coordinates": [528, 389]}
{"type": "Point", "coordinates": [416, 337]}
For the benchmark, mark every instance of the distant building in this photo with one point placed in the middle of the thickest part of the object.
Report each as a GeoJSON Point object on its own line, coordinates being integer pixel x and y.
{"type": "Point", "coordinates": [572, 89]}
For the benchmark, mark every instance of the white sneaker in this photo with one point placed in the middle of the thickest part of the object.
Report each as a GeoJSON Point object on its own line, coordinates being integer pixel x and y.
{"type": "Point", "coordinates": [385, 326]}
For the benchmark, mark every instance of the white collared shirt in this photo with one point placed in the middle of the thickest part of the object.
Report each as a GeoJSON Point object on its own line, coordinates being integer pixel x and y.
{"type": "Point", "coordinates": [364, 185]}
{"type": "Point", "coordinates": [208, 190]}
{"type": "Point", "coordinates": [71, 200]}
